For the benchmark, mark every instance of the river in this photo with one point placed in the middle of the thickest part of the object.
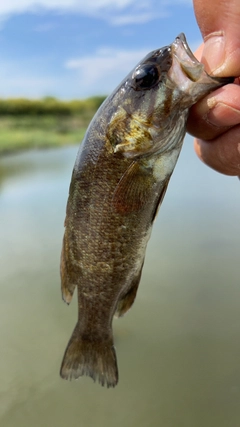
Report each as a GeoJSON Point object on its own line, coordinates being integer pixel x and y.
{"type": "Point", "coordinates": [178, 348]}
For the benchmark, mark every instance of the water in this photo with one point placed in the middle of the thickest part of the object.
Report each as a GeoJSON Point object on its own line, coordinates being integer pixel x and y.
{"type": "Point", "coordinates": [178, 348]}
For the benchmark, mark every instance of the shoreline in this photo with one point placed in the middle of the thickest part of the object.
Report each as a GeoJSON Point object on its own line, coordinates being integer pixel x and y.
{"type": "Point", "coordinates": [27, 133]}
{"type": "Point", "coordinates": [20, 150]}
{"type": "Point", "coordinates": [45, 123]}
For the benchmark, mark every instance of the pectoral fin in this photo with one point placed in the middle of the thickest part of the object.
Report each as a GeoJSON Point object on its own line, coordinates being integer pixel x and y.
{"type": "Point", "coordinates": [133, 189]}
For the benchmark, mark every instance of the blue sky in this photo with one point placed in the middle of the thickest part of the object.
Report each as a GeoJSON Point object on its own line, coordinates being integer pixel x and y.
{"type": "Point", "coordinates": [78, 48]}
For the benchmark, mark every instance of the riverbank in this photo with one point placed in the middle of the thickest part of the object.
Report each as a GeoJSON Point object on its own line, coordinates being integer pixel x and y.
{"type": "Point", "coordinates": [28, 124]}
{"type": "Point", "coordinates": [21, 133]}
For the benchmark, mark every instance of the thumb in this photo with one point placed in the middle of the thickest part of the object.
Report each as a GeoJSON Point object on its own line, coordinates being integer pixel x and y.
{"type": "Point", "coordinates": [219, 25]}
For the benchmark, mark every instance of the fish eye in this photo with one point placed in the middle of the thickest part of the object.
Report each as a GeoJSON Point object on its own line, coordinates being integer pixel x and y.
{"type": "Point", "coordinates": [146, 77]}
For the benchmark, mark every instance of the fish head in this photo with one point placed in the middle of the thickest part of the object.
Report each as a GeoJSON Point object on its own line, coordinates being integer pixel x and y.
{"type": "Point", "coordinates": [152, 103]}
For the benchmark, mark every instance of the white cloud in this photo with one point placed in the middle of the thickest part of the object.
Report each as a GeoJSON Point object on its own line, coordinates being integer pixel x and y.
{"type": "Point", "coordinates": [105, 69]}
{"type": "Point", "coordinates": [139, 18]}
{"type": "Point", "coordinates": [47, 26]}
{"type": "Point", "coordinates": [81, 77]}
{"type": "Point", "coordinates": [21, 6]}
{"type": "Point", "coordinates": [178, 2]}
{"type": "Point", "coordinates": [117, 12]}
{"type": "Point", "coordinates": [89, 75]}
{"type": "Point", "coordinates": [26, 80]}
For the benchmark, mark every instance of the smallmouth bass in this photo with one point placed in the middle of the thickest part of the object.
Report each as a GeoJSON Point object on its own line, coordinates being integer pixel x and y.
{"type": "Point", "coordinates": [119, 180]}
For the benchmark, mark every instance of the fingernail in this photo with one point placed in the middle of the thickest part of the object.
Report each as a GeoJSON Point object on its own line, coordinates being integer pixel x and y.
{"type": "Point", "coordinates": [221, 115]}
{"type": "Point", "coordinates": [214, 53]}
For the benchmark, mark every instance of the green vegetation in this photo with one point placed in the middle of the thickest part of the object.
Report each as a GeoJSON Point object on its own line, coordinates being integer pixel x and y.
{"type": "Point", "coordinates": [43, 123]}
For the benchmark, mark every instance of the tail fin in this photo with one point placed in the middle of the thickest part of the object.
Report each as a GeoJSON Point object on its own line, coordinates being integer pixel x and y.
{"type": "Point", "coordinates": [92, 357]}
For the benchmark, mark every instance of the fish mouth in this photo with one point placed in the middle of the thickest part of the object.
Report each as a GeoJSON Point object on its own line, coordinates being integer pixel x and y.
{"type": "Point", "coordinates": [189, 64]}
{"type": "Point", "coordinates": [182, 39]}
{"type": "Point", "coordinates": [186, 59]}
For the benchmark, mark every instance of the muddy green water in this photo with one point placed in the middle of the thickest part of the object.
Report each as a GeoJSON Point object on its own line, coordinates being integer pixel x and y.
{"type": "Point", "coordinates": [178, 348]}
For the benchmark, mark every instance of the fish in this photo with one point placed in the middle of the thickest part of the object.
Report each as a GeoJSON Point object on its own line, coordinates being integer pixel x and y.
{"type": "Point", "coordinates": [119, 180]}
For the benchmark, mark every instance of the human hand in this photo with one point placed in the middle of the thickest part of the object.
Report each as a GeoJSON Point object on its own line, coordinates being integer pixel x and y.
{"type": "Point", "coordinates": [215, 120]}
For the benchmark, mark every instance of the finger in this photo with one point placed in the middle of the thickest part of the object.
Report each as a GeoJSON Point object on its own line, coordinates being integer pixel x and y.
{"type": "Point", "coordinates": [216, 113]}
{"type": "Point", "coordinates": [223, 153]}
{"type": "Point", "coordinates": [219, 25]}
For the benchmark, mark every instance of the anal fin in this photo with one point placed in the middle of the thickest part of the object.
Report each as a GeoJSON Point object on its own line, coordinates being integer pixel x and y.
{"type": "Point", "coordinates": [127, 299]}
{"type": "Point", "coordinates": [67, 285]}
